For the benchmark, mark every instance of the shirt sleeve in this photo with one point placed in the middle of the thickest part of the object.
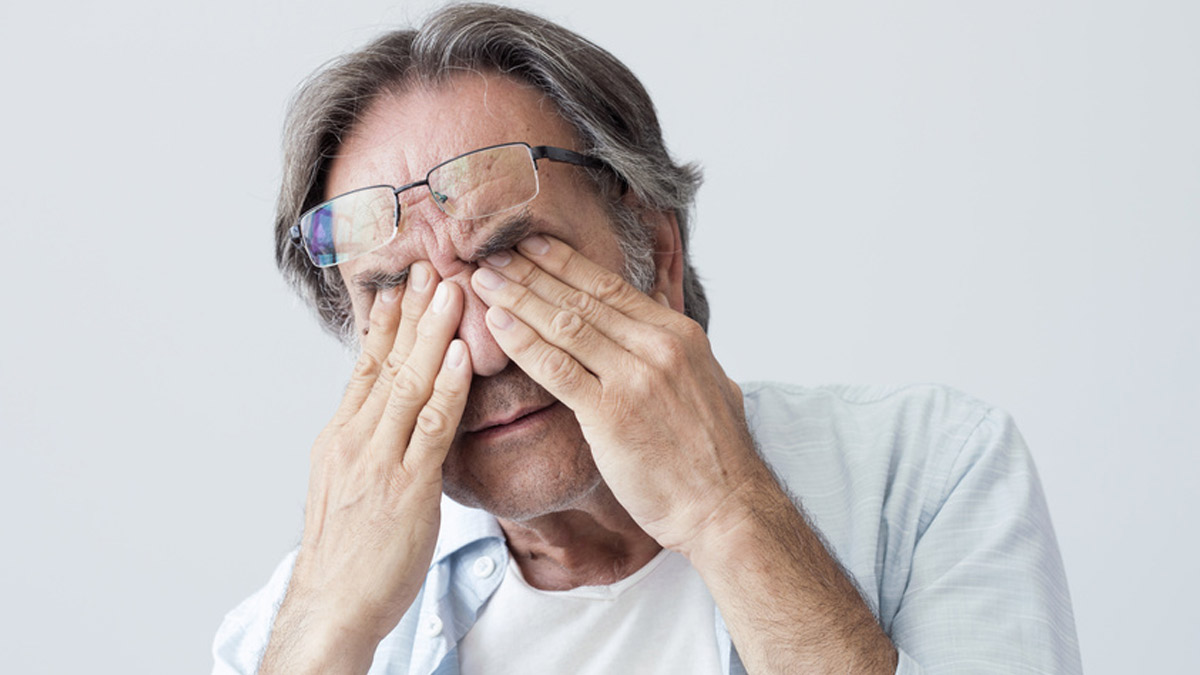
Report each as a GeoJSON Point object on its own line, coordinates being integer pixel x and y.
{"type": "Point", "coordinates": [906, 666]}
{"type": "Point", "coordinates": [987, 592]}
{"type": "Point", "coordinates": [242, 638]}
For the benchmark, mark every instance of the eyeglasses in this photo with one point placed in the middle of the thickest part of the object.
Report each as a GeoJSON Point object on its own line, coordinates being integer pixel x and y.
{"type": "Point", "coordinates": [478, 184]}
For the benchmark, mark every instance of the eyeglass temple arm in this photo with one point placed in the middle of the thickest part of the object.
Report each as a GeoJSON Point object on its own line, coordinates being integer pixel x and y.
{"type": "Point", "coordinates": [563, 155]}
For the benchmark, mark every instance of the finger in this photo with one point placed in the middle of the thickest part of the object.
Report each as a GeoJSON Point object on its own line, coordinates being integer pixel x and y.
{"type": "Point", "coordinates": [395, 415]}
{"type": "Point", "coordinates": [422, 283]}
{"type": "Point", "coordinates": [383, 321]}
{"type": "Point", "coordinates": [572, 328]}
{"type": "Point", "coordinates": [573, 268]}
{"type": "Point", "coordinates": [564, 377]}
{"type": "Point", "coordinates": [522, 271]}
{"type": "Point", "coordinates": [438, 420]}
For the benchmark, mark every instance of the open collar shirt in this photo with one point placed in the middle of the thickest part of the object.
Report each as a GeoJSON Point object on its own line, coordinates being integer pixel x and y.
{"type": "Point", "coordinates": [928, 498]}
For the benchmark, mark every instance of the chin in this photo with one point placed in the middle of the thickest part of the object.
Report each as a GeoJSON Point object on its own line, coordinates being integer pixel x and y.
{"type": "Point", "coordinates": [520, 505]}
{"type": "Point", "coordinates": [523, 475]}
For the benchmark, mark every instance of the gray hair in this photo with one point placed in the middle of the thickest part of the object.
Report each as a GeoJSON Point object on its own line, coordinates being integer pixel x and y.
{"type": "Point", "coordinates": [595, 93]}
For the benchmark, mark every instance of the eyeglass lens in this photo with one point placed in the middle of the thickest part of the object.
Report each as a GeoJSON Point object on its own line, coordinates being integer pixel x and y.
{"type": "Point", "coordinates": [349, 226]}
{"type": "Point", "coordinates": [485, 182]}
{"type": "Point", "coordinates": [476, 185]}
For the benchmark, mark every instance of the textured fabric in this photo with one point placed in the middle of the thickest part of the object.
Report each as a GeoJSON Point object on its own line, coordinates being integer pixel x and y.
{"type": "Point", "coordinates": [927, 497]}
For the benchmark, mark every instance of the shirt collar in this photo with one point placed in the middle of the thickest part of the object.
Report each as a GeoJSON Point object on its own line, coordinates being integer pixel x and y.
{"type": "Point", "coordinates": [463, 526]}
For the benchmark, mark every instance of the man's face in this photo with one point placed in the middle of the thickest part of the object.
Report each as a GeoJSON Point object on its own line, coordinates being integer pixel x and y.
{"type": "Point", "coordinates": [540, 462]}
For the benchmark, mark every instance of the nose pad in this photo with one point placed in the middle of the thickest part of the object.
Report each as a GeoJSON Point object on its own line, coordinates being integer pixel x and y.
{"type": "Point", "coordinates": [486, 356]}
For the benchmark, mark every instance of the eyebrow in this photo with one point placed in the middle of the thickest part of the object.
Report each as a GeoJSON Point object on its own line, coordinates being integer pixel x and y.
{"type": "Point", "coordinates": [373, 280]}
{"type": "Point", "coordinates": [506, 235]}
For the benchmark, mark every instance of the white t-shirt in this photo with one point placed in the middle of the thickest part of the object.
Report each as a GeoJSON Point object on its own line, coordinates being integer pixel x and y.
{"type": "Point", "coordinates": [928, 498]}
{"type": "Point", "coordinates": [660, 619]}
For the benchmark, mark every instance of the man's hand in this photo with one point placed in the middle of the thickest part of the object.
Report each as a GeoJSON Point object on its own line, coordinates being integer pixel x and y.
{"type": "Point", "coordinates": [668, 433]}
{"type": "Point", "coordinates": [372, 513]}
{"type": "Point", "coordinates": [665, 424]}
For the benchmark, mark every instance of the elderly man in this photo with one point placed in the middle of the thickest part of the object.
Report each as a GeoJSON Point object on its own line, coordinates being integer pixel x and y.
{"type": "Point", "coordinates": [487, 206]}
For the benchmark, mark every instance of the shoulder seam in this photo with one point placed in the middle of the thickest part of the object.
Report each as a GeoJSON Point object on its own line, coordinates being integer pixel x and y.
{"type": "Point", "coordinates": [946, 488]}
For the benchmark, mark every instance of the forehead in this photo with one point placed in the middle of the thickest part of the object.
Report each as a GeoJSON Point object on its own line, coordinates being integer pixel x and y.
{"type": "Point", "coordinates": [404, 134]}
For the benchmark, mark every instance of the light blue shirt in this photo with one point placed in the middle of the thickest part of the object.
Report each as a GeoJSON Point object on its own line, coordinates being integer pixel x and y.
{"type": "Point", "coordinates": [928, 498]}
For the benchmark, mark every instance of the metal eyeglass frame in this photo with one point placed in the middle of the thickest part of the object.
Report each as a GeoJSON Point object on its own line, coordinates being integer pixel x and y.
{"type": "Point", "coordinates": [554, 154]}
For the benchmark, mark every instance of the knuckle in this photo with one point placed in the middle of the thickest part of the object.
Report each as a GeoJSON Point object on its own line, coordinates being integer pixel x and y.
{"type": "Point", "coordinates": [408, 387]}
{"type": "Point", "coordinates": [670, 348]}
{"type": "Point", "coordinates": [398, 480]}
{"type": "Point", "coordinates": [397, 407]}
{"type": "Point", "coordinates": [380, 320]}
{"type": "Point", "coordinates": [393, 363]}
{"type": "Point", "coordinates": [409, 316]}
{"type": "Point", "coordinates": [610, 286]}
{"type": "Point", "coordinates": [333, 448]}
{"type": "Point", "coordinates": [733, 393]}
{"type": "Point", "coordinates": [643, 380]}
{"type": "Point", "coordinates": [562, 261]}
{"type": "Point", "coordinates": [525, 275]}
{"type": "Point", "coordinates": [568, 325]}
{"type": "Point", "coordinates": [558, 369]}
{"type": "Point", "coordinates": [366, 367]}
{"type": "Point", "coordinates": [522, 298]}
{"type": "Point", "coordinates": [434, 422]}
{"type": "Point", "coordinates": [689, 330]}
{"type": "Point", "coordinates": [583, 303]}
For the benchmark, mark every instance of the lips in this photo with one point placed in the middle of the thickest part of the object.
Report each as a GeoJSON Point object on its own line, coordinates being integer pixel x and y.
{"type": "Point", "coordinates": [496, 421]}
{"type": "Point", "coordinates": [500, 400]}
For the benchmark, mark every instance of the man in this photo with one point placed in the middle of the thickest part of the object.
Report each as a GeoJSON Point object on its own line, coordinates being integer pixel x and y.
{"type": "Point", "coordinates": [488, 206]}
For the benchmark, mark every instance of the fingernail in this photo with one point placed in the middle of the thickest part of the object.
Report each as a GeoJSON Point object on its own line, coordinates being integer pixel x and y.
{"type": "Point", "coordinates": [440, 297]}
{"type": "Point", "coordinates": [488, 279]}
{"type": "Point", "coordinates": [391, 293]}
{"type": "Point", "coordinates": [454, 355]}
{"type": "Point", "coordinates": [499, 317]}
{"type": "Point", "coordinates": [419, 277]}
{"type": "Point", "coordinates": [536, 245]}
{"type": "Point", "coordinates": [498, 259]}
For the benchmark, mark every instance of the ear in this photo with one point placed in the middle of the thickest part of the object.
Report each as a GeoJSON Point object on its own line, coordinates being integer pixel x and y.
{"type": "Point", "coordinates": [668, 257]}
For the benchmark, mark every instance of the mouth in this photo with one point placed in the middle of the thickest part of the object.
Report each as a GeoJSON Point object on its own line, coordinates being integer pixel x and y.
{"type": "Point", "coordinates": [511, 422]}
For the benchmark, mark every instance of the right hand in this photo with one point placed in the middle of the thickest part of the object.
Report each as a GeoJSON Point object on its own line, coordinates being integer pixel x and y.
{"type": "Point", "coordinates": [373, 507]}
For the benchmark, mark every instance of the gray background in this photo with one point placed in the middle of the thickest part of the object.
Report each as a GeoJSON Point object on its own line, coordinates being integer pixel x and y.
{"type": "Point", "coordinates": [1003, 197]}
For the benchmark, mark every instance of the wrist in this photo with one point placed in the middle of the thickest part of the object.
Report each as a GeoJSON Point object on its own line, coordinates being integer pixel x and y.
{"type": "Point", "coordinates": [755, 513]}
{"type": "Point", "coordinates": [305, 639]}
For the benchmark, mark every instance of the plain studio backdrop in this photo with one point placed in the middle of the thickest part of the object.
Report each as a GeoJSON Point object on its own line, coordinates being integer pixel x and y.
{"type": "Point", "coordinates": [1003, 197]}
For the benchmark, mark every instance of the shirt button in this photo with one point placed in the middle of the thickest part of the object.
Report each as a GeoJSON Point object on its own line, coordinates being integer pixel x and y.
{"type": "Point", "coordinates": [484, 567]}
{"type": "Point", "coordinates": [432, 626]}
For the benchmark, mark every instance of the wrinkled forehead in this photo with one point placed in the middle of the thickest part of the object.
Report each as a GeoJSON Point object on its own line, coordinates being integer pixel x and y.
{"type": "Point", "coordinates": [407, 131]}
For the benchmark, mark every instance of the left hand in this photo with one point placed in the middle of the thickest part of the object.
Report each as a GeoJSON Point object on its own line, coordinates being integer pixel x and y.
{"type": "Point", "coordinates": [666, 427]}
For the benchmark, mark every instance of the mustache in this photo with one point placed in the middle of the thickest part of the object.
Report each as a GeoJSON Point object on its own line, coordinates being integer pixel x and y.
{"type": "Point", "coordinates": [496, 394]}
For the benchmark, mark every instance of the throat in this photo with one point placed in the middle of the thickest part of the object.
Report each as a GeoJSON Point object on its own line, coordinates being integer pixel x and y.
{"type": "Point", "coordinates": [571, 549]}
{"type": "Point", "coordinates": [549, 573]}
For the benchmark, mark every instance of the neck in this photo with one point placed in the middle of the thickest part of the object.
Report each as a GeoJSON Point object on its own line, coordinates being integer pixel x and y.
{"type": "Point", "coordinates": [595, 542]}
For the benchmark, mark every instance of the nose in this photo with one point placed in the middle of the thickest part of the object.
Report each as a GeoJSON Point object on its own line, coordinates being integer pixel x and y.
{"type": "Point", "coordinates": [447, 243]}
{"type": "Point", "coordinates": [486, 356]}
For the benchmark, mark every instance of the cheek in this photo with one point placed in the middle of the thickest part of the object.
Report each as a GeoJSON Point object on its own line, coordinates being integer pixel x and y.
{"type": "Point", "coordinates": [602, 246]}
{"type": "Point", "coordinates": [589, 229]}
